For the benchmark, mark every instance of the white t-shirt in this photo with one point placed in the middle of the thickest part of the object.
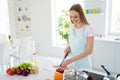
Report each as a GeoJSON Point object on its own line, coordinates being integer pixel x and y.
{"type": "Point", "coordinates": [88, 30]}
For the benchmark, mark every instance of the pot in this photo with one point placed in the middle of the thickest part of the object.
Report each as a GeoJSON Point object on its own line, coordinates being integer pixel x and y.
{"type": "Point", "coordinates": [76, 75]}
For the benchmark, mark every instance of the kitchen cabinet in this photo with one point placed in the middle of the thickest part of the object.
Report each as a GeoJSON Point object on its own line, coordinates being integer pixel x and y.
{"type": "Point", "coordinates": [117, 58]}
{"type": "Point", "coordinates": [104, 54]}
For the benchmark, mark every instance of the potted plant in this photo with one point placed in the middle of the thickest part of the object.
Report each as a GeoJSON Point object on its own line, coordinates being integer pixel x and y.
{"type": "Point", "coordinates": [63, 25]}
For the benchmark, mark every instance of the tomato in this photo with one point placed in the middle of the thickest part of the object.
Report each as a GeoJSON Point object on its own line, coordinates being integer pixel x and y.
{"type": "Point", "coordinates": [10, 71]}
{"type": "Point", "coordinates": [60, 70]}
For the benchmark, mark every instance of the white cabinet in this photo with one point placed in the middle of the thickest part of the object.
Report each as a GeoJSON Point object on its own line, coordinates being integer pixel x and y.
{"type": "Point", "coordinates": [117, 58]}
{"type": "Point", "coordinates": [104, 54]}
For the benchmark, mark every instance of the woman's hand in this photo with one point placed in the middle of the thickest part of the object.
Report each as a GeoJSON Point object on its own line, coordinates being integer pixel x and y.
{"type": "Point", "coordinates": [67, 50]}
{"type": "Point", "coordinates": [67, 62]}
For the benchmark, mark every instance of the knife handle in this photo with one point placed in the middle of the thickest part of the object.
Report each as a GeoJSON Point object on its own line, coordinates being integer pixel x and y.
{"type": "Point", "coordinates": [66, 54]}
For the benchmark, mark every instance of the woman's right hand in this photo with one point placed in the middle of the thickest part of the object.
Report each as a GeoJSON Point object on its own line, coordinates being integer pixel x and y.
{"type": "Point", "coordinates": [67, 50]}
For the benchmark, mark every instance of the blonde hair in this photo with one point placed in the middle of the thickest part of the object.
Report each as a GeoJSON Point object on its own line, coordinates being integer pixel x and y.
{"type": "Point", "coordinates": [78, 8]}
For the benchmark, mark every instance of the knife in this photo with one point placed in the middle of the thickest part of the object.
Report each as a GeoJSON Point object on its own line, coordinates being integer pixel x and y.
{"type": "Point", "coordinates": [63, 59]}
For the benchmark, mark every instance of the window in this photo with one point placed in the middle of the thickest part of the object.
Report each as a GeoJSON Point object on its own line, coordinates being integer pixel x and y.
{"type": "Point", "coordinates": [57, 6]}
{"type": "Point", "coordinates": [115, 17]}
{"type": "Point", "coordinates": [4, 18]}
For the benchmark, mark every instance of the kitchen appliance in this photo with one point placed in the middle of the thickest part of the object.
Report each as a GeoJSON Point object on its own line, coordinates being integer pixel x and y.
{"type": "Point", "coordinates": [75, 74]}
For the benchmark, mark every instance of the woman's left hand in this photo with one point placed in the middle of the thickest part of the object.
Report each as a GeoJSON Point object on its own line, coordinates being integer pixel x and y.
{"type": "Point", "coordinates": [67, 62]}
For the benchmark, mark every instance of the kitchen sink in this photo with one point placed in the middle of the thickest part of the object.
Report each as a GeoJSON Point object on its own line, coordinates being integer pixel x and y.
{"type": "Point", "coordinates": [117, 38]}
{"type": "Point", "coordinates": [95, 76]}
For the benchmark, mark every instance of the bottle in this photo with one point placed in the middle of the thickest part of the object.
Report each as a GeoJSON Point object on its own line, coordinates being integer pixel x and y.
{"type": "Point", "coordinates": [94, 11]}
{"type": "Point", "coordinates": [35, 63]}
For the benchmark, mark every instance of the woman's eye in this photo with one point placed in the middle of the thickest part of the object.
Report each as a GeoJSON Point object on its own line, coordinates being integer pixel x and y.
{"type": "Point", "coordinates": [75, 16]}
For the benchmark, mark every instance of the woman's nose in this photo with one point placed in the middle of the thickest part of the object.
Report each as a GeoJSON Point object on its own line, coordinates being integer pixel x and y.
{"type": "Point", "coordinates": [73, 19]}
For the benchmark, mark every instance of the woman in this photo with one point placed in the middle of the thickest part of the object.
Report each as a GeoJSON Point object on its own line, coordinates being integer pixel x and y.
{"type": "Point", "coordinates": [81, 39]}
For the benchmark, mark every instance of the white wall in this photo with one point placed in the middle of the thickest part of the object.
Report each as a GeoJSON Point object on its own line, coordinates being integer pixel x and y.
{"type": "Point", "coordinates": [98, 20]}
{"type": "Point", "coordinates": [11, 17]}
{"type": "Point", "coordinates": [41, 26]}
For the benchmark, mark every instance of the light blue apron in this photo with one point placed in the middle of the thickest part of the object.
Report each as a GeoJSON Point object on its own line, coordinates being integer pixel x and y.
{"type": "Point", "coordinates": [77, 46]}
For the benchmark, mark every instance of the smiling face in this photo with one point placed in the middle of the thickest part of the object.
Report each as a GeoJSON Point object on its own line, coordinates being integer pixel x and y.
{"type": "Point", "coordinates": [75, 17]}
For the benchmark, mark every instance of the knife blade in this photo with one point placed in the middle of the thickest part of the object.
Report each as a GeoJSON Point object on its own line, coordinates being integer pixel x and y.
{"type": "Point", "coordinates": [63, 59]}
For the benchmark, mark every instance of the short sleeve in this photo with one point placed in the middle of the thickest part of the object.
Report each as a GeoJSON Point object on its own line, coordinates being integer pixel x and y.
{"type": "Point", "coordinates": [89, 31]}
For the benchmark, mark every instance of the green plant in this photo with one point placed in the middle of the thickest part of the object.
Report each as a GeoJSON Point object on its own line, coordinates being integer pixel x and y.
{"type": "Point", "coordinates": [9, 37]}
{"type": "Point", "coordinates": [63, 25]}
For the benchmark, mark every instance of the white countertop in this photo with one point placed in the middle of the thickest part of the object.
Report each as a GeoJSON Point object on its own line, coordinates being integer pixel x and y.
{"type": "Point", "coordinates": [115, 39]}
{"type": "Point", "coordinates": [46, 70]}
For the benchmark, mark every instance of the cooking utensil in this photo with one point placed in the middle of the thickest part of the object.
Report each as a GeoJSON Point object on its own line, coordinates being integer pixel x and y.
{"type": "Point", "coordinates": [108, 73]}
{"type": "Point", "coordinates": [118, 77]}
{"type": "Point", "coordinates": [109, 76]}
{"type": "Point", "coordinates": [63, 59]}
{"type": "Point", "coordinates": [76, 74]}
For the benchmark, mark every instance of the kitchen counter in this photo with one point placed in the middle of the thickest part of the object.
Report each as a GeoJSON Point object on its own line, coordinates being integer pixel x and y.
{"type": "Point", "coordinates": [46, 70]}
{"type": "Point", "coordinates": [115, 39]}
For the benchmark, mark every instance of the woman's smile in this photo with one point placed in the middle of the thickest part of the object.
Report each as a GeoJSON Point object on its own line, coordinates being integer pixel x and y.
{"type": "Point", "coordinates": [74, 16]}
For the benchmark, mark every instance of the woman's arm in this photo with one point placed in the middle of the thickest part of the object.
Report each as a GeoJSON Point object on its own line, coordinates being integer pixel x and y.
{"type": "Point", "coordinates": [88, 51]}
